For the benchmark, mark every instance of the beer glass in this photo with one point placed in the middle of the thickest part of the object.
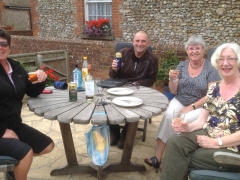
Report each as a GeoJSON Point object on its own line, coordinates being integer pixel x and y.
{"type": "Point", "coordinates": [33, 77]}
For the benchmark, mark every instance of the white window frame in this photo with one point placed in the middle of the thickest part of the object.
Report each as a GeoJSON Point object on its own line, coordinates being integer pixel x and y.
{"type": "Point", "coordinates": [98, 15]}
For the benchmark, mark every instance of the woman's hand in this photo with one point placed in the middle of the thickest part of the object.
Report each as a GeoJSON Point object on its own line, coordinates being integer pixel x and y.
{"type": "Point", "coordinates": [183, 128]}
{"type": "Point", "coordinates": [173, 76]}
{"type": "Point", "coordinates": [187, 109]}
{"type": "Point", "coordinates": [206, 142]}
{"type": "Point", "coordinates": [10, 134]}
{"type": "Point", "coordinates": [41, 75]}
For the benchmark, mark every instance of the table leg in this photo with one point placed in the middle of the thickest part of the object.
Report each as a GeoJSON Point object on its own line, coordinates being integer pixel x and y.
{"type": "Point", "coordinates": [73, 166]}
{"type": "Point", "coordinates": [125, 165]}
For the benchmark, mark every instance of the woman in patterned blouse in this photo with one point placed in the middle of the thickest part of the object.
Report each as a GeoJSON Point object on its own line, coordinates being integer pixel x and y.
{"type": "Point", "coordinates": [218, 126]}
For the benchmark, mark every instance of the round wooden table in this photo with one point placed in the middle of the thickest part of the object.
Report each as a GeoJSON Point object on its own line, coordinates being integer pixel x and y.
{"type": "Point", "coordinates": [56, 106]}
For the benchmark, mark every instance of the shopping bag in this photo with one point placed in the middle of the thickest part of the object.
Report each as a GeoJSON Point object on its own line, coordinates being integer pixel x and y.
{"type": "Point", "coordinates": [98, 141]}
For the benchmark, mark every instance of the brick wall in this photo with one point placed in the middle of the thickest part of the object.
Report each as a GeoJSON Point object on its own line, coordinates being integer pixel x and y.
{"type": "Point", "coordinates": [1, 10]}
{"type": "Point", "coordinates": [117, 19]}
{"type": "Point", "coordinates": [100, 53]}
{"type": "Point", "coordinates": [35, 17]}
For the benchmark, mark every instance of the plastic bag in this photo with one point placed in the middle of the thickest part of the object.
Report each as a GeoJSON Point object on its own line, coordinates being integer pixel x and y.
{"type": "Point", "coordinates": [98, 141]}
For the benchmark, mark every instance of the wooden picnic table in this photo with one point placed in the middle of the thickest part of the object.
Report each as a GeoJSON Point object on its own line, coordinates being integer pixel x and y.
{"type": "Point", "coordinates": [56, 106]}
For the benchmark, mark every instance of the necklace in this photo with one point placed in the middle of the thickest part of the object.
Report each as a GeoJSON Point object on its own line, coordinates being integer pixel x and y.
{"type": "Point", "coordinates": [197, 66]}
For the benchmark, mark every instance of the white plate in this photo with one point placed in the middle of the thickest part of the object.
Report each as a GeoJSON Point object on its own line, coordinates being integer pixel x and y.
{"type": "Point", "coordinates": [120, 91]}
{"type": "Point", "coordinates": [127, 101]}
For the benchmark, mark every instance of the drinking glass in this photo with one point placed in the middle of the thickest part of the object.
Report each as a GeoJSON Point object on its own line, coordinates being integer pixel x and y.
{"type": "Point", "coordinates": [33, 77]}
{"type": "Point", "coordinates": [178, 118]}
{"type": "Point", "coordinates": [97, 88]}
{"type": "Point", "coordinates": [175, 71]}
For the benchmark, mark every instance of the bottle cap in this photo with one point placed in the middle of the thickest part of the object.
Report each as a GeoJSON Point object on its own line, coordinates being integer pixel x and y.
{"type": "Point", "coordinates": [118, 55]}
{"type": "Point", "coordinates": [84, 57]}
{"type": "Point", "coordinates": [76, 65]}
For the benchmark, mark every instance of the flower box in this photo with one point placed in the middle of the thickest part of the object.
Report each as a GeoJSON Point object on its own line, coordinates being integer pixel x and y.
{"type": "Point", "coordinates": [97, 29]}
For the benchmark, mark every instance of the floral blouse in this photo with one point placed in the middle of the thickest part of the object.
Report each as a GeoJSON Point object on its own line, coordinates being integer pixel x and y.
{"type": "Point", "coordinates": [224, 116]}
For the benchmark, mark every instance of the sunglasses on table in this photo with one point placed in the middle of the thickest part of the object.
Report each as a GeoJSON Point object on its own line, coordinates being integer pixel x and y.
{"type": "Point", "coordinates": [131, 84]}
{"type": "Point", "coordinates": [4, 44]}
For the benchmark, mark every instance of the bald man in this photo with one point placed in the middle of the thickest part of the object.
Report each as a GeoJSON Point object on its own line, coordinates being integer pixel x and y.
{"type": "Point", "coordinates": [139, 66]}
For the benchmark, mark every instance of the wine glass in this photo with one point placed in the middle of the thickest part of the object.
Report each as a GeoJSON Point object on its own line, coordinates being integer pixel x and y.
{"type": "Point", "coordinates": [178, 118]}
{"type": "Point", "coordinates": [175, 71]}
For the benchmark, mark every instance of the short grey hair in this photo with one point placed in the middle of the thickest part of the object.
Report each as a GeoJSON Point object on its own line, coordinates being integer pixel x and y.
{"type": "Point", "coordinates": [234, 46]}
{"type": "Point", "coordinates": [195, 40]}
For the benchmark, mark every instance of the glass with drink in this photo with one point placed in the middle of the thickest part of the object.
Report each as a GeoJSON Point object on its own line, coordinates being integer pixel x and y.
{"type": "Point", "coordinates": [178, 118]}
{"type": "Point", "coordinates": [33, 77]}
{"type": "Point", "coordinates": [175, 71]}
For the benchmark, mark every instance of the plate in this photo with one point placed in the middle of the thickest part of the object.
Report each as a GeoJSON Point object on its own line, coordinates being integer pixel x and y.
{"type": "Point", "coordinates": [127, 101]}
{"type": "Point", "coordinates": [120, 91]}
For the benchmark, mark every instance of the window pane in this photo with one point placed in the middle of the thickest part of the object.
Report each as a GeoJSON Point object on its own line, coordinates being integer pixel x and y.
{"type": "Point", "coordinates": [92, 9]}
{"type": "Point", "coordinates": [109, 9]}
{"type": "Point", "coordinates": [99, 0]}
{"type": "Point", "coordinates": [97, 9]}
{"type": "Point", "coordinates": [101, 10]}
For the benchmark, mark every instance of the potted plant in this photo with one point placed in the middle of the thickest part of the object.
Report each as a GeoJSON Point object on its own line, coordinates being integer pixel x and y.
{"type": "Point", "coordinates": [169, 59]}
{"type": "Point", "coordinates": [99, 27]}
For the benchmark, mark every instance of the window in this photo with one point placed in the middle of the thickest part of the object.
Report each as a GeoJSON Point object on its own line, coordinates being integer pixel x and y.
{"type": "Point", "coordinates": [95, 9]}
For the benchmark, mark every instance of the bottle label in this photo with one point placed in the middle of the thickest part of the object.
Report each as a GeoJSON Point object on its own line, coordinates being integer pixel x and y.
{"type": "Point", "coordinates": [119, 62]}
{"type": "Point", "coordinates": [84, 73]}
{"type": "Point", "coordinates": [72, 95]}
{"type": "Point", "coordinates": [89, 88]}
{"type": "Point", "coordinates": [77, 79]}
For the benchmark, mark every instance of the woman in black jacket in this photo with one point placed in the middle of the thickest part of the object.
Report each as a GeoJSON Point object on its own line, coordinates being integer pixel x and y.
{"type": "Point", "coordinates": [18, 140]}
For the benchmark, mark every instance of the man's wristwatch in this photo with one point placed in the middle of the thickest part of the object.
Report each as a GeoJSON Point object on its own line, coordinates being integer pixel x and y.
{"type": "Point", "coordinates": [220, 142]}
{"type": "Point", "coordinates": [193, 106]}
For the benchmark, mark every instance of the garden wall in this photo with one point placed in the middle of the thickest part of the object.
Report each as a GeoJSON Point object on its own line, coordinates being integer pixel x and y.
{"type": "Point", "coordinates": [100, 53]}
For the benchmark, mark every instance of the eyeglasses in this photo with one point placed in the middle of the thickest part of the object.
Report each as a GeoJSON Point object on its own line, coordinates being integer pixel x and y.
{"type": "Point", "coordinates": [196, 49]}
{"type": "Point", "coordinates": [4, 44]}
{"type": "Point", "coordinates": [229, 59]}
{"type": "Point", "coordinates": [131, 84]}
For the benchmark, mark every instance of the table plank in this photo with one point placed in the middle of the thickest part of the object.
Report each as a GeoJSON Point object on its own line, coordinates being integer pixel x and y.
{"type": "Point", "coordinates": [84, 116]}
{"type": "Point", "coordinates": [99, 116]}
{"type": "Point", "coordinates": [41, 110]}
{"type": "Point", "coordinates": [52, 114]}
{"type": "Point", "coordinates": [114, 117]}
{"type": "Point", "coordinates": [144, 114]}
{"type": "Point", "coordinates": [67, 117]}
{"type": "Point", "coordinates": [41, 103]}
{"type": "Point", "coordinates": [129, 115]}
{"type": "Point", "coordinates": [154, 110]}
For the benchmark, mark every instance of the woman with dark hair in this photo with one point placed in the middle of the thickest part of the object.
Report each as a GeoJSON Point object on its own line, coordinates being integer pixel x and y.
{"type": "Point", "coordinates": [216, 129]}
{"type": "Point", "coordinates": [18, 140]}
{"type": "Point", "coordinates": [190, 89]}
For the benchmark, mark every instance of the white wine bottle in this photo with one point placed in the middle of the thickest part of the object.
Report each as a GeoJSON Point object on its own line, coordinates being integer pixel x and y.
{"type": "Point", "coordinates": [84, 70]}
{"type": "Point", "coordinates": [89, 86]}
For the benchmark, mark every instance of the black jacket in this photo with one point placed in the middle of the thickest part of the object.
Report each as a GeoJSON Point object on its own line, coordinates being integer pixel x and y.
{"type": "Point", "coordinates": [11, 95]}
{"type": "Point", "coordinates": [143, 71]}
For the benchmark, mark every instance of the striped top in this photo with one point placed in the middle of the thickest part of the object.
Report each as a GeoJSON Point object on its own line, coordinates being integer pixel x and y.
{"type": "Point", "coordinates": [190, 90]}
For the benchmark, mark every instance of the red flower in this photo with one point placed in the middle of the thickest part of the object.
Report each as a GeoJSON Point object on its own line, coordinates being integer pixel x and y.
{"type": "Point", "coordinates": [50, 76]}
{"type": "Point", "coordinates": [99, 23]}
